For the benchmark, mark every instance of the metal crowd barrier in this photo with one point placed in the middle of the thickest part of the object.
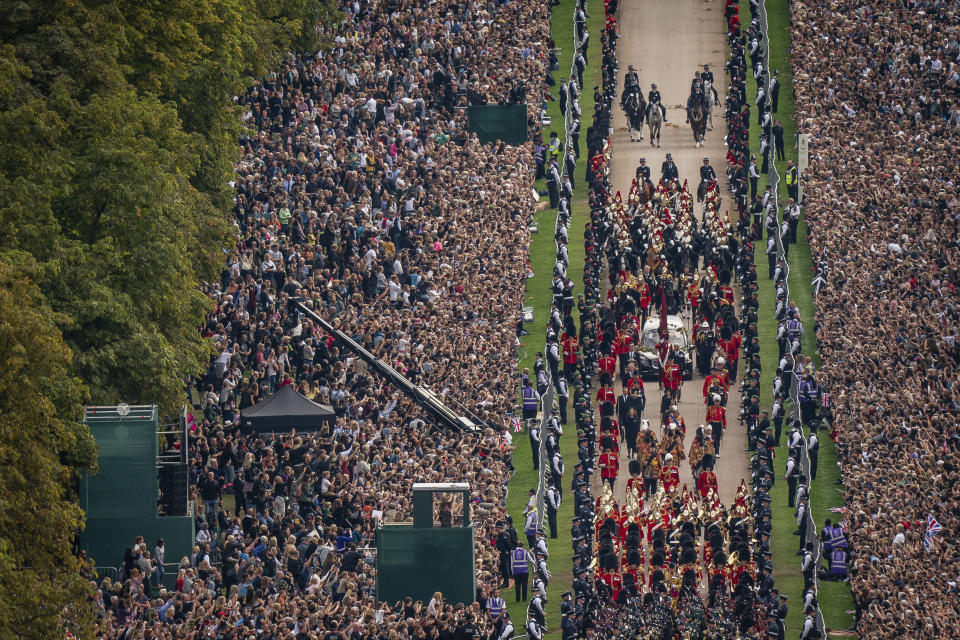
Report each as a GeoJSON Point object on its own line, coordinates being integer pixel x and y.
{"type": "Point", "coordinates": [546, 407]}
{"type": "Point", "coordinates": [549, 398]}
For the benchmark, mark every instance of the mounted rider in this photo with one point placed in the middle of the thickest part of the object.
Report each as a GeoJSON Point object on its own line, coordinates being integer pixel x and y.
{"type": "Point", "coordinates": [707, 172]}
{"type": "Point", "coordinates": [697, 99]}
{"type": "Point", "coordinates": [697, 83]}
{"type": "Point", "coordinates": [697, 96]}
{"type": "Point", "coordinates": [654, 99]}
{"type": "Point", "coordinates": [631, 86]}
{"type": "Point", "coordinates": [707, 76]}
{"type": "Point", "coordinates": [707, 177]}
{"type": "Point", "coordinates": [643, 171]}
{"type": "Point", "coordinates": [631, 101]}
{"type": "Point", "coordinates": [668, 170]}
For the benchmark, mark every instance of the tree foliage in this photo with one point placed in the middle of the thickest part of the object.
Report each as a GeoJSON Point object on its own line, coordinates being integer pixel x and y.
{"type": "Point", "coordinates": [42, 447]}
{"type": "Point", "coordinates": [118, 136]}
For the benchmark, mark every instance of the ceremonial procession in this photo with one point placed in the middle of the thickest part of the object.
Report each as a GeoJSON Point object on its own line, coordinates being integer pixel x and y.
{"type": "Point", "coordinates": [542, 319]}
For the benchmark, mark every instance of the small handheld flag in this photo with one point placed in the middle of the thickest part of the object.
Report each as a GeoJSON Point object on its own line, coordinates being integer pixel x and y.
{"type": "Point", "coordinates": [933, 528]}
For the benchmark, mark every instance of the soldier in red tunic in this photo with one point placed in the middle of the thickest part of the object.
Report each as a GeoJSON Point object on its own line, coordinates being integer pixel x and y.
{"type": "Point", "coordinates": [607, 364]}
{"type": "Point", "coordinates": [670, 379]}
{"type": "Point", "coordinates": [634, 381]}
{"type": "Point", "coordinates": [644, 289]}
{"type": "Point", "coordinates": [610, 433]}
{"type": "Point", "coordinates": [606, 394]}
{"type": "Point", "coordinates": [707, 481]}
{"type": "Point", "coordinates": [635, 482]}
{"type": "Point", "coordinates": [616, 583]}
{"type": "Point", "coordinates": [609, 467]}
{"type": "Point", "coordinates": [670, 474]}
{"type": "Point", "coordinates": [634, 570]}
{"type": "Point", "coordinates": [717, 419]}
{"type": "Point", "coordinates": [621, 347]}
{"type": "Point", "coordinates": [719, 575]}
{"type": "Point", "coordinates": [571, 347]}
{"type": "Point", "coordinates": [730, 346]}
{"type": "Point", "coordinates": [714, 382]}
{"type": "Point", "coordinates": [693, 297]}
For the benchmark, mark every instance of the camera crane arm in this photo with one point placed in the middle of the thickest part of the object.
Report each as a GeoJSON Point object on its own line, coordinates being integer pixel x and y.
{"type": "Point", "coordinates": [421, 395]}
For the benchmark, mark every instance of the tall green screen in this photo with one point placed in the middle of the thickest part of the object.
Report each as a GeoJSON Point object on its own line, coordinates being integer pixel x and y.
{"type": "Point", "coordinates": [417, 562]}
{"type": "Point", "coordinates": [120, 500]}
{"type": "Point", "coordinates": [505, 122]}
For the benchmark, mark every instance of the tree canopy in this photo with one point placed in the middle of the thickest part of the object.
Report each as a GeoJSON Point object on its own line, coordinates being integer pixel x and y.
{"type": "Point", "coordinates": [118, 134]}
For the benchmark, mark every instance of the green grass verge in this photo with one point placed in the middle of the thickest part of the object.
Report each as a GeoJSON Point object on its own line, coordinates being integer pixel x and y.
{"type": "Point", "coordinates": [539, 296]}
{"type": "Point", "coordinates": [835, 598]}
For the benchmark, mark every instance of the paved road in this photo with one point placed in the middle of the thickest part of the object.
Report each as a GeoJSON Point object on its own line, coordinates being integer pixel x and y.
{"type": "Point", "coordinates": [667, 42]}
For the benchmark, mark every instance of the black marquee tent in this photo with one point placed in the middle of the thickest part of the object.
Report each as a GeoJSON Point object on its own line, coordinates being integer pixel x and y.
{"type": "Point", "coordinates": [284, 410]}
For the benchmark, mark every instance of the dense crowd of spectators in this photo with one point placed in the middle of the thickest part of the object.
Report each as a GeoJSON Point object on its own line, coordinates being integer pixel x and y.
{"type": "Point", "coordinates": [877, 91]}
{"type": "Point", "coordinates": [361, 191]}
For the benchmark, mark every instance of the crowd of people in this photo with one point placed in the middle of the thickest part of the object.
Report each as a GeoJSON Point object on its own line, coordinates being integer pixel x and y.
{"type": "Point", "coordinates": [877, 92]}
{"type": "Point", "coordinates": [360, 191]}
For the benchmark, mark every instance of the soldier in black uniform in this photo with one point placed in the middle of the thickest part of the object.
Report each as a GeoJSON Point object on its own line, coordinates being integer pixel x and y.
{"type": "Point", "coordinates": [569, 628]}
{"type": "Point", "coordinates": [577, 534]}
{"type": "Point", "coordinates": [775, 91]}
{"type": "Point", "coordinates": [581, 585]}
{"type": "Point", "coordinates": [654, 100]}
{"type": "Point", "coordinates": [631, 79]}
{"type": "Point", "coordinates": [643, 171]}
{"type": "Point", "coordinates": [707, 174]}
{"type": "Point", "coordinates": [696, 83]}
{"type": "Point", "coordinates": [707, 75]}
{"type": "Point", "coordinates": [706, 171]}
{"type": "Point", "coordinates": [668, 170]}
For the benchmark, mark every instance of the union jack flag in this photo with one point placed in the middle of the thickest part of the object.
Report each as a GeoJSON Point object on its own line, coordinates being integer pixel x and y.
{"type": "Point", "coordinates": [516, 425]}
{"type": "Point", "coordinates": [933, 528]}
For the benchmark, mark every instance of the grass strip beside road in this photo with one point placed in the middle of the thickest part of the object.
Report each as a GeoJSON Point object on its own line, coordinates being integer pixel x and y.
{"type": "Point", "coordinates": [835, 598]}
{"type": "Point", "coordinates": [539, 296]}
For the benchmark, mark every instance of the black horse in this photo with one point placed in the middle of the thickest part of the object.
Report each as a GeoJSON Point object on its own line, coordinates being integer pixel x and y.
{"type": "Point", "coordinates": [635, 107]}
{"type": "Point", "coordinates": [697, 115]}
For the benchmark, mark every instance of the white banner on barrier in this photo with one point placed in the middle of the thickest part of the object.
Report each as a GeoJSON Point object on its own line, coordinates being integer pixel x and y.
{"type": "Point", "coordinates": [803, 160]}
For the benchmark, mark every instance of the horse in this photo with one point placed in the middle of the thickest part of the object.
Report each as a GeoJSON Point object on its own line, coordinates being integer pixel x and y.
{"type": "Point", "coordinates": [635, 108]}
{"type": "Point", "coordinates": [644, 191]}
{"type": "Point", "coordinates": [697, 116]}
{"type": "Point", "coordinates": [709, 101]}
{"type": "Point", "coordinates": [654, 123]}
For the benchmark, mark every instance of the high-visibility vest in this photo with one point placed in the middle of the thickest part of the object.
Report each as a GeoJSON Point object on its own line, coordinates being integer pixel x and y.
{"type": "Point", "coordinates": [518, 561]}
{"type": "Point", "coordinates": [530, 398]}
{"type": "Point", "coordinates": [838, 561]}
{"type": "Point", "coordinates": [530, 527]}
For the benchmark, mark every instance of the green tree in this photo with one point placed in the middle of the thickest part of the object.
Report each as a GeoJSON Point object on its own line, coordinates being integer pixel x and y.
{"type": "Point", "coordinates": [42, 448]}
{"type": "Point", "coordinates": [118, 136]}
